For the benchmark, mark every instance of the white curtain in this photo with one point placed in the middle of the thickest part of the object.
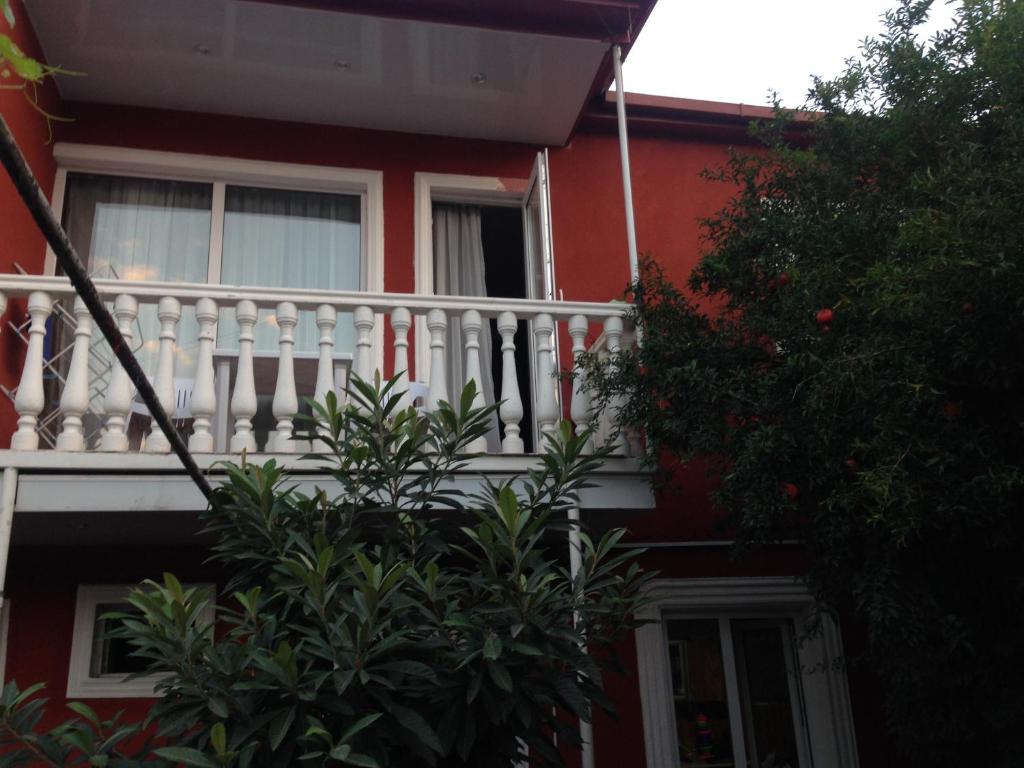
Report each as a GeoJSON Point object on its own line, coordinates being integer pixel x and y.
{"type": "Point", "coordinates": [459, 271]}
{"type": "Point", "coordinates": [289, 239]}
{"type": "Point", "coordinates": [143, 229]}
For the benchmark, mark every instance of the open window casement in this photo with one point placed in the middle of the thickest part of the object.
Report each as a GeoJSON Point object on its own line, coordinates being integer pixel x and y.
{"type": "Point", "coordinates": [538, 246]}
{"type": "Point", "coordinates": [540, 262]}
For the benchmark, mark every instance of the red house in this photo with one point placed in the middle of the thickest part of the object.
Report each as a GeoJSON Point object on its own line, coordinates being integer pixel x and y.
{"type": "Point", "coordinates": [274, 194]}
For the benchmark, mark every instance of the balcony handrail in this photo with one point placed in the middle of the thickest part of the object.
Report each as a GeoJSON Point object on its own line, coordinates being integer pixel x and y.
{"type": "Point", "coordinates": [214, 396]}
{"type": "Point", "coordinates": [267, 297]}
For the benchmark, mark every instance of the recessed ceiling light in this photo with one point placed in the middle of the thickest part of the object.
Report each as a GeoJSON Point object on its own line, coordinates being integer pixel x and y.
{"type": "Point", "coordinates": [478, 78]}
{"type": "Point", "coordinates": [342, 64]}
{"type": "Point", "coordinates": [202, 50]}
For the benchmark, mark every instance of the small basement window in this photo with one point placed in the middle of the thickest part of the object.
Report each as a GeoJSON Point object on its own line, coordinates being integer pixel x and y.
{"type": "Point", "coordinates": [103, 666]}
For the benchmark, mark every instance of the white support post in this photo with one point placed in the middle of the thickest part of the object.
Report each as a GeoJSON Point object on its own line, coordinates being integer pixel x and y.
{"type": "Point", "coordinates": [29, 401]}
{"type": "Point", "coordinates": [613, 333]}
{"type": "Point", "coordinates": [8, 495]}
{"type": "Point", "coordinates": [401, 322]}
{"type": "Point", "coordinates": [579, 407]}
{"type": "Point", "coordinates": [627, 181]}
{"type": "Point", "coordinates": [169, 312]}
{"type": "Point", "coordinates": [286, 400]}
{"type": "Point", "coordinates": [74, 400]}
{"type": "Point", "coordinates": [546, 405]}
{"type": "Point", "coordinates": [118, 402]}
{"type": "Point", "coordinates": [437, 390]}
{"type": "Point", "coordinates": [243, 398]}
{"type": "Point", "coordinates": [472, 324]}
{"type": "Point", "coordinates": [326, 321]}
{"type": "Point", "coordinates": [511, 408]}
{"type": "Point", "coordinates": [204, 395]}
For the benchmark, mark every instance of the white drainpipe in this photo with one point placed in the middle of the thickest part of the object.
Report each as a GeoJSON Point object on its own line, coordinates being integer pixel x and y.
{"type": "Point", "coordinates": [575, 563]}
{"type": "Point", "coordinates": [627, 182]}
{"type": "Point", "coordinates": [8, 492]}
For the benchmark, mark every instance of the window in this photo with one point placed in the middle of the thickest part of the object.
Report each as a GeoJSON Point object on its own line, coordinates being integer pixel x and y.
{"type": "Point", "coordinates": [141, 215]}
{"type": "Point", "coordinates": [102, 665]}
{"type": "Point", "coordinates": [725, 683]}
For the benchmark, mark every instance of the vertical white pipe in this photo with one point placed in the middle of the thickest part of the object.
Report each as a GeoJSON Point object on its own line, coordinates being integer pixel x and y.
{"type": "Point", "coordinates": [575, 563]}
{"type": "Point", "coordinates": [627, 181]}
{"type": "Point", "coordinates": [8, 493]}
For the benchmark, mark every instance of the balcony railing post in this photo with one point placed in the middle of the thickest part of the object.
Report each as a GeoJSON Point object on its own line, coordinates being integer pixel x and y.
{"type": "Point", "coordinates": [286, 400]}
{"type": "Point", "coordinates": [29, 401]}
{"type": "Point", "coordinates": [363, 319]}
{"type": "Point", "coordinates": [613, 333]}
{"type": "Point", "coordinates": [437, 390]}
{"type": "Point", "coordinates": [118, 402]}
{"type": "Point", "coordinates": [326, 321]}
{"type": "Point", "coordinates": [204, 396]}
{"type": "Point", "coordinates": [471, 327]}
{"type": "Point", "coordinates": [74, 400]}
{"type": "Point", "coordinates": [243, 398]}
{"type": "Point", "coordinates": [401, 321]}
{"type": "Point", "coordinates": [511, 408]}
{"type": "Point", "coordinates": [579, 406]}
{"type": "Point", "coordinates": [546, 401]}
{"type": "Point", "coordinates": [169, 312]}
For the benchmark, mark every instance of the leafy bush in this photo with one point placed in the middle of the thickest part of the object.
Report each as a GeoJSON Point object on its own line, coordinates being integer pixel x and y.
{"type": "Point", "coordinates": [848, 356]}
{"type": "Point", "coordinates": [387, 619]}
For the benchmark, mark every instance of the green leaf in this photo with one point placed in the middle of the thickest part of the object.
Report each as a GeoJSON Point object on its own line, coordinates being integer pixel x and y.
{"type": "Point", "coordinates": [492, 646]}
{"type": "Point", "coordinates": [186, 755]}
{"type": "Point", "coordinates": [279, 727]}
{"type": "Point", "coordinates": [219, 740]}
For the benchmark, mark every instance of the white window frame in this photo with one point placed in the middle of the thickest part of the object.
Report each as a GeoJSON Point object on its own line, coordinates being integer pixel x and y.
{"type": "Point", "coordinates": [223, 171]}
{"type": "Point", "coordinates": [828, 723]}
{"type": "Point", "coordinates": [429, 188]}
{"type": "Point", "coordinates": [82, 685]}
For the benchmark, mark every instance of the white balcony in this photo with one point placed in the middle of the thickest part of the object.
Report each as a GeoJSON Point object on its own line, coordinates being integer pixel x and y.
{"type": "Point", "coordinates": [77, 411]}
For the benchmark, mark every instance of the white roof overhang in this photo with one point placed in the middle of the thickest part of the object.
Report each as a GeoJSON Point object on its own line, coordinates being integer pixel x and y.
{"type": "Point", "coordinates": [307, 64]}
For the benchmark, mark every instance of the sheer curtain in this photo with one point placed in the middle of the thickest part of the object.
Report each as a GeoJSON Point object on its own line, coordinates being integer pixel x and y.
{"type": "Point", "coordinates": [459, 271]}
{"type": "Point", "coordinates": [144, 229]}
{"type": "Point", "coordinates": [289, 239]}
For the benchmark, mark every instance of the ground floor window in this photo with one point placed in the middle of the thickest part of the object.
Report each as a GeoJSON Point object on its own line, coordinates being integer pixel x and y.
{"type": "Point", "coordinates": [730, 679]}
{"type": "Point", "coordinates": [103, 666]}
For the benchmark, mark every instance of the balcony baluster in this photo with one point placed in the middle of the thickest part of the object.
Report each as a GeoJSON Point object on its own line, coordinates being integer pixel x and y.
{"type": "Point", "coordinates": [437, 390]}
{"type": "Point", "coordinates": [547, 402]}
{"type": "Point", "coordinates": [401, 321]}
{"type": "Point", "coordinates": [204, 397]}
{"type": "Point", "coordinates": [613, 334]}
{"type": "Point", "coordinates": [471, 327]}
{"type": "Point", "coordinates": [580, 407]}
{"type": "Point", "coordinates": [326, 321]}
{"type": "Point", "coordinates": [511, 408]}
{"type": "Point", "coordinates": [169, 312]}
{"type": "Point", "coordinates": [29, 401]}
{"type": "Point", "coordinates": [118, 402]}
{"type": "Point", "coordinates": [243, 399]}
{"type": "Point", "coordinates": [286, 400]}
{"type": "Point", "coordinates": [74, 400]}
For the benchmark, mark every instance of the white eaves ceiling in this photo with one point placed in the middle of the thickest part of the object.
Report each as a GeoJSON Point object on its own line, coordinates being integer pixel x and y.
{"type": "Point", "coordinates": [288, 63]}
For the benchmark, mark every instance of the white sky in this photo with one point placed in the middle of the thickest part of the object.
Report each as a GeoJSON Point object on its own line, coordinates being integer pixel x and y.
{"type": "Point", "coordinates": [738, 50]}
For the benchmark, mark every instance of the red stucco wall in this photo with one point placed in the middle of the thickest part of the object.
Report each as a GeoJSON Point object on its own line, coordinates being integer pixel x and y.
{"type": "Point", "coordinates": [20, 241]}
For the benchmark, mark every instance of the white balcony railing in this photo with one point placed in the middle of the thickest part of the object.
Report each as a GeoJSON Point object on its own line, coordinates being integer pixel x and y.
{"type": "Point", "coordinates": [221, 407]}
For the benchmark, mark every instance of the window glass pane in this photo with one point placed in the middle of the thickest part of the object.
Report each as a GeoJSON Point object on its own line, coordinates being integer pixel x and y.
{"type": "Point", "coordinates": [698, 687]}
{"type": "Point", "coordinates": [290, 239]}
{"type": "Point", "coordinates": [137, 229]}
{"type": "Point", "coordinates": [112, 656]}
{"type": "Point", "coordinates": [765, 695]}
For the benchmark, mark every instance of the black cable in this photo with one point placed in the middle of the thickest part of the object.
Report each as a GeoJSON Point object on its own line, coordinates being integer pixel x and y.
{"type": "Point", "coordinates": [55, 235]}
